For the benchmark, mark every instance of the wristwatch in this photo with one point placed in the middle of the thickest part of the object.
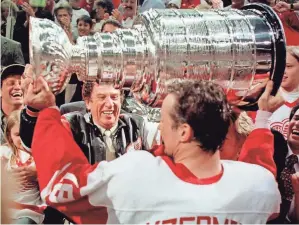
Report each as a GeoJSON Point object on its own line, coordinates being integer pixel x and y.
{"type": "Point", "coordinates": [292, 7]}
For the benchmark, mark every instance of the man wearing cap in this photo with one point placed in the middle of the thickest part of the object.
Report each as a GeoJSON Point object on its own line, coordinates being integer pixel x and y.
{"type": "Point", "coordinates": [11, 92]}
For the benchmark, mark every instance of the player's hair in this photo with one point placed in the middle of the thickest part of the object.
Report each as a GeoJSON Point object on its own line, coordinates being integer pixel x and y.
{"type": "Point", "coordinates": [293, 111]}
{"type": "Point", "coordinates": [111, 22]}
{"type": "Point", "coordinates": [243, 123]}
{"type": "Point", "coordinates": [202, 105]}
{"type": "Point", "coordinates": [294, 51]}
{"type": "Point", "coordinates": [88, 88]}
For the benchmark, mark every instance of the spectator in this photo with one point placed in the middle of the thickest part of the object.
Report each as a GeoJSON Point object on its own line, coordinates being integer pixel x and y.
{"type": "Point", "coordinates": [289, 15]}
{"type": "Point", "coordinates": [21, 29]}
{"type": "Point", "coordinates": [104, 9]}
{"type": "Point", "coordinates": [110, 25]}
{"type": "Point", "coordinates": [104, 6]}
{"type": "Point", "coordinates": [286, 159]}
{"type": "Point", "coordinates": [85, 25]}
{"type": "Point", "coordinates": [11, 93]}
{"type": "Point", "coordinates": [289, 90]}
{"type": "Point", "coordinates": [129, 8]}
{"type": "Point", "coordinates": [11, 52]}
{"type": "Point", "coordinates": [50, 4]}
{"type": "Point", "coordinates": [129, 12]}
{"type": "Point", "coordinates": [192, 167]}
{"type": "Point", "coordinates": [87, 5]}
{"type": "Point", "coordinates": [8, 18]}
{"type": "Point", "coordinates": [77, 13]}
{"type": "Point", "coordinates": [22, 166]}
{"type": "Point", "coordinates": [63, 14]}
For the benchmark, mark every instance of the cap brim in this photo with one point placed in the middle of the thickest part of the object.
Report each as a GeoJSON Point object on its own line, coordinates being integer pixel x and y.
{"type": "Point", "coordinates": [14, 69]}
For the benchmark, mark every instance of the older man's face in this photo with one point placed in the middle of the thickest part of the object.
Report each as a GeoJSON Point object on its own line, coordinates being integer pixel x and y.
{"type": "Point", "coordinates": [104, 105]}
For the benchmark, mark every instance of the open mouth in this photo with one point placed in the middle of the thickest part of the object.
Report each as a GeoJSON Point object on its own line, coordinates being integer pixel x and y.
{"type": "Point", "coordinates": [295, 132]}
{"type": "Point", "coordinates": [107, 112]}
{"type": "Point", "coordinates": [17, 95]}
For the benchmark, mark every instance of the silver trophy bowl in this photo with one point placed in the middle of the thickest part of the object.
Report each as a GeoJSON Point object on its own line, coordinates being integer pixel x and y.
{"type": "Point", "coordinates": [238, 49]}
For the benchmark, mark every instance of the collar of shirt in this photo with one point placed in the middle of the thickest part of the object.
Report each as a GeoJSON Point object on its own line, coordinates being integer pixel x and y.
{"type": "Point", "coordinates": [290, 152]}
{"type": "Point", "coordinates": [112, 130]}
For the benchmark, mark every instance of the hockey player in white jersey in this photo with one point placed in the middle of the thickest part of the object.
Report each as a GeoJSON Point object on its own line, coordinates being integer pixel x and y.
{"type": "Point", "coordinates": [189, 185]}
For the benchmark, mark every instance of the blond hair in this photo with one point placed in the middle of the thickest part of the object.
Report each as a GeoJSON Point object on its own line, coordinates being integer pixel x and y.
{"type": "Point", "coordinates": [12, 120]}
{"type": "Point", "coordinates": [294, 51]}
{"type": "Point", "coordinates": [243, 123]}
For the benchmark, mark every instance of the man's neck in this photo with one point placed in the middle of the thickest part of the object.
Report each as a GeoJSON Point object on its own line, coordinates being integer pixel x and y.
{"type": "Point", "coordinates": [202, 164]}
{"type": "Point", "coordinates": [293, 149]}
{"type": "Point", "coordinates": [8, 109]}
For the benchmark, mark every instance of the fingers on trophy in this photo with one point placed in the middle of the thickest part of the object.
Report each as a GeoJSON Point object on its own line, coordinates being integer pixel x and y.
{"type": "Point", "coordinates": [237, 49]}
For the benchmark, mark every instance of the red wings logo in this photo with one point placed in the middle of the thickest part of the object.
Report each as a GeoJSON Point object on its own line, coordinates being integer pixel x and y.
{"type": "Point", "coordinates": [137, 145]}
{"type": "Point", "coordinates": [281, 127]}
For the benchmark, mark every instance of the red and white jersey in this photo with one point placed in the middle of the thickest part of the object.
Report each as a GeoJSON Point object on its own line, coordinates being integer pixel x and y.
{"type": "Point", "coordinates": [140, 188]}
{"type": "Point", "coordinates": [280, 118]}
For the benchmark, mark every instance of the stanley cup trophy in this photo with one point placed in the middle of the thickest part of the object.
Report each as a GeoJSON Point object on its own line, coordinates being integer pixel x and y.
{"type": "Point", "coordinates": [238, 49]}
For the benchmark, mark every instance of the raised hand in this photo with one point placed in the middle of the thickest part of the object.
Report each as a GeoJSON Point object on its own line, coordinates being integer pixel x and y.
{"type": "Point", "coordinates": [39, 95]}
{"type": "Point", "coordinates": [28, 9]}
{"type": "Point", "coordinates": [117, 15]}
{"type": "Point", "coordinates": [270, 103]}
{"type": "Point", "coordinates": [282, 6]}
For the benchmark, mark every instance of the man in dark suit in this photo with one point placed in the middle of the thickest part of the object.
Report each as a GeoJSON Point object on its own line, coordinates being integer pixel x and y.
{"type": "Point", "coordinates": [286, 157]}
{"type": "Point", "coordinates": [11, 52]}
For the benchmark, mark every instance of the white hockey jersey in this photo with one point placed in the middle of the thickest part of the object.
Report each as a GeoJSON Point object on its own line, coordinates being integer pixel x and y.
{"type": "Point", "coordinates": [139, 188]}
{"type": "Point", "coordinates": [280, 118]}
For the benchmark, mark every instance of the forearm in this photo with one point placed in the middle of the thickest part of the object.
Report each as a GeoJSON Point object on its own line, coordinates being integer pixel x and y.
{"type": "Point", "coordinates": [259, 146]}
{"type": "Point", "coordinates": [27, 125]}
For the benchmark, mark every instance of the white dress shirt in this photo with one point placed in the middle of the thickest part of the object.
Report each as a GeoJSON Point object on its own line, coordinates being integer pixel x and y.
{"type": "Point", "coordinates": [110, 151]}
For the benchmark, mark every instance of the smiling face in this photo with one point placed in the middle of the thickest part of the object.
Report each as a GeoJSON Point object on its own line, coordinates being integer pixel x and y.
{"type": "Point", "coordinates": [290, 79]}
{"type": "Point", "coordinates": [83, 28]}
{"type": "Point", "coordinates": [11, 92]}
{"type": "Point", "coordinates": [129, 7]}
{"type": "Point", "coordinates": [104, 105]}
{"type": "Point", "coordinates": [293, 133]}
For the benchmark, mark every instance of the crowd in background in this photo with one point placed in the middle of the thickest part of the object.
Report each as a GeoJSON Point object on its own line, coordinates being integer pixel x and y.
{"type": "Point", "coordinates": [104, 125]}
